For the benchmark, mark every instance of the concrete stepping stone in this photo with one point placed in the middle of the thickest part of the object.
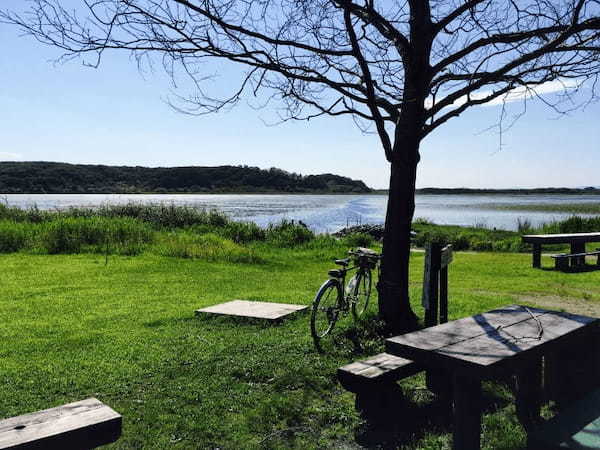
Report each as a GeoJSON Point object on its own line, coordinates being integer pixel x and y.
{"type": "Point", "coordinates": [255, 310]}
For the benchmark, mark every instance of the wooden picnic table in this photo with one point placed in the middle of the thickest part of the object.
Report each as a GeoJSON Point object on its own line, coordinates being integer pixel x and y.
{"type": "Point", "coordinates": [509, 340]}
{"type": "Point", "coordinates": [577, 241]}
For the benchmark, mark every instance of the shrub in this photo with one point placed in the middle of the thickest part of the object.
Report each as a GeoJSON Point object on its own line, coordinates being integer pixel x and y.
{"type": "Point", "coordinates": [62, 236]}
{"type": "Point", "coordinates": [577, 224]}
{"type": "Point", "coordinates": [431, 236]}
{"type": "Point", "coordinates": [288, 234]}
{"type": "Point", "coordinates": [481, 245]}
{"type": "Point", "coordinates": [358, 240]}
{"type": "Point", "coordinates": [13, 236]}
{"type": "Point", "coordinates": [460, 241]}
{"type": "Point", "coordinates": [242, 232]}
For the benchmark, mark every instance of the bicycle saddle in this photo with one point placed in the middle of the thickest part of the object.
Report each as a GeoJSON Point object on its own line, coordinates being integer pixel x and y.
{"type": "Point", "coordinates": [366, 251]}
{"type": "Point", "coordinates": [342, 262]}
{"type": "Point", "coordinates": [334, 273]}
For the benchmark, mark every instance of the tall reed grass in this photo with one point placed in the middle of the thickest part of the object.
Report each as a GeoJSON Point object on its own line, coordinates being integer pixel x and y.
{"type": "Point", "coordinates": [14, 236]}
{"type": "Point", "coordinates": [95, 234]}
{"type": "Point", "coordinates": [209, 247]}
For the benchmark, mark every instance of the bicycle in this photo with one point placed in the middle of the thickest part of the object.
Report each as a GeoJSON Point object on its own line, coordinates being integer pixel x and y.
{"type": "Point", "coordinates": [332, 298]}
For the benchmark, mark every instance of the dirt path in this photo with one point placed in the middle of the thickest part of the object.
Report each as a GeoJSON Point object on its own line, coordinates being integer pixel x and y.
{"type": "Point", "coordinates": [569, 304]}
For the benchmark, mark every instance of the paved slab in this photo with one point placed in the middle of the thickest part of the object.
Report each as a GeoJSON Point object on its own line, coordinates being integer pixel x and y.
{"type": "Point", "coordinates": [255, 310]}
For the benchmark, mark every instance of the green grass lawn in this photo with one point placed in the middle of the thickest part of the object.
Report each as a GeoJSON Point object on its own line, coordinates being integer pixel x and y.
{"type": "Point", "coordinates": [126, 333]}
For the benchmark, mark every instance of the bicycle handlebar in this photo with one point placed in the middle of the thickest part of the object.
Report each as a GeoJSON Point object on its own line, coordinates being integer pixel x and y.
{"type": "Point", "coordinates": [361, 251]}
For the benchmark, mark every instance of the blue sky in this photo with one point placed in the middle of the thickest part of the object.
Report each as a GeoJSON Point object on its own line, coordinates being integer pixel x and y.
{"type": "Point", "coordinates": [115, 115]}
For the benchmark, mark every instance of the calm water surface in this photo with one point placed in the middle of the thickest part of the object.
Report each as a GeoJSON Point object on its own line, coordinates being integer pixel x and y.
{"type": "Point", "coordinates": [327, 213]}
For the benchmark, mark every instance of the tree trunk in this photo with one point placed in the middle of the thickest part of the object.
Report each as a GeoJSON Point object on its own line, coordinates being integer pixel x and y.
{"type": "Point", "coordinates": [394, 302]}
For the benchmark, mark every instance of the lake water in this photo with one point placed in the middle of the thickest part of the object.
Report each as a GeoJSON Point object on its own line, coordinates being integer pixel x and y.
{"type": "Point", "coordinates": [328, 213]}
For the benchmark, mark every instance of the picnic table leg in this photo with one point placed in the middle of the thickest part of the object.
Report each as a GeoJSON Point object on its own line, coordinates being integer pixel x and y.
{"type": "Point", "coordinates": [571, 371]}
{"type": "Point", "coordinates": [467, 413]}
{"type": "Point", "coordinates": [529, 392]}
{"type": "Point", "coordinates": [578, 247]}
{"type": "Point", "coordinates": [537, 255]}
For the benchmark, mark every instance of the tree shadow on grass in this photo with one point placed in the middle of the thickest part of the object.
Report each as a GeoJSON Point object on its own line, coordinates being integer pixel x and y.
{"type": "Point", "coordinates": [412, 414]}
{"type": "Point", "coordinates": [579, 269]}
{"type": "Point", "coordinates": [216, 319]}
{"type": "Point", "coordinates": [168, 322]}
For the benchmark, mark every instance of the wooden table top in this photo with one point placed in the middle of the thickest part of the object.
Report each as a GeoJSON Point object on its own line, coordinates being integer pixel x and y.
{"type": "Point", "coordinates": [484, 343]}
{"type": "Point", "coordinates": [564, 238]}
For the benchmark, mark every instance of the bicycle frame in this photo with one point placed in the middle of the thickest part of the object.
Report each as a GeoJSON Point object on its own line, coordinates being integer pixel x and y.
{"type": "Point", "coordinates": [342, 280]}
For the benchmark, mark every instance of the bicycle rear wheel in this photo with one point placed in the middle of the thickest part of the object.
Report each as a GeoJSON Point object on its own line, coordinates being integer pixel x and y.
{"type": "Point", "coordinates": [325, 310]}
{"type": "Point", "coordinates": [362, 293]}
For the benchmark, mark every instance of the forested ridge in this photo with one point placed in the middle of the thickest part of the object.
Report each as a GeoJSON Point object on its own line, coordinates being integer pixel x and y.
{"type": "Point", "coordinates": [63, 178]}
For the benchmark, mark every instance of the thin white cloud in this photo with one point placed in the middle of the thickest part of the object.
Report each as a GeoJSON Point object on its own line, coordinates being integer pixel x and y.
{"type": "Point", "coordinates": [517, 94]}
{"type": "Point", "coordinates": [5, 156]}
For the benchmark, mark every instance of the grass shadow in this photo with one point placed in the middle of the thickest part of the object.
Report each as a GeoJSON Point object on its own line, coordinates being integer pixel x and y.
{"type": "Point", "coordinates": [168, 322]}
{"type": "Point", "coordinates": [417, 413]}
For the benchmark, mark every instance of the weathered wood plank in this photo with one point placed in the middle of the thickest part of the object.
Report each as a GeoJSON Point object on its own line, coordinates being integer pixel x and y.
{"type": "Point", "coordinates": [359, 375]}
{"type": "Point", "coordinates": [490, 351]}
{"type": "Point", "coordinates": [81, 425]}
{"type": "Point", "coordinates": [446, 256]}
{"type": "Point", "coordinates": [567, 255]}
{"type": "Point", "coordinates": [251, 309]}
{"type": "Point", "coordinates": [458, 330]}
{"type": "Point", "coordinates": [481, 344]}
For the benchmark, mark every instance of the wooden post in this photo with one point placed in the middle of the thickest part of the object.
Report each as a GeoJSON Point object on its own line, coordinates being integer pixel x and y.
{"type": "Point", "coordinates": [444, 295]}
{"type": "Point", "coordinates": [537, 255]}
{"type": "Point", "coordinates": [430, 284]}
{"type": "Point", "coordinates": [467, 413]}
{"type": "Point", "coordinates": [435, 283]}
{"type": "Point", "coordinates": [445, 260]}
{"type": "Point", "coordinates": [435, 296]}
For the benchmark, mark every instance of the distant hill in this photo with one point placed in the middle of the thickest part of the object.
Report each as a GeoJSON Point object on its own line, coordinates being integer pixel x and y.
{"type": "Point", "coordinates": [62, 178]}
{"type": "Point", "coordinates": [533, 191]}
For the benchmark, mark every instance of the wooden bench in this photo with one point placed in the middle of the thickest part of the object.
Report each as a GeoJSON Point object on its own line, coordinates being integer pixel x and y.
{"type": "Point", "coordinates": [563, 261]}
{"type": "Point", "coordinates": [371, 373]}
{"type": "Point", "coordinates": [373, 380]}
{"type": "Point", "coordinates": [81, 425]}
{"type": "Point", "coordinates": [577, 242]}
{"type": "Point", "coordinates": [577, 427]}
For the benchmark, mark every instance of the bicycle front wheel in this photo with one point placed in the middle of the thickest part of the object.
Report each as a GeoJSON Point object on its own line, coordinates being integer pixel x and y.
{"type": "Point", "coordinates": [325, 310]}
{"type": "Point", "coordinates": [362, 293]}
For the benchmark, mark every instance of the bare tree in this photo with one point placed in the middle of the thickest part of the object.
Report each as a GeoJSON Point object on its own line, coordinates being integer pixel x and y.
{"type": "Point", "coordinates": [401, 67]}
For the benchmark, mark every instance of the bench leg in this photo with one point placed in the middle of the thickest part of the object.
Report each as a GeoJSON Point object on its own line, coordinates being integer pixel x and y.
{"type": "Point", "coordinates": [561, 264]}
{"type": "Point", "coordinates": [439, 382]}
{"type": "Point", "coordinates": [380, 404]}
{"type": "Point", "coordinates": [571, 371]}
{"type": "Point", "coordinates": [467, 413]}
{"type": "Point", "coordinates": [529, 393]}
{"type": "Point", "coordinates": [578, 247]}
{"type": "Point", "coordinates": [537, 256]}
